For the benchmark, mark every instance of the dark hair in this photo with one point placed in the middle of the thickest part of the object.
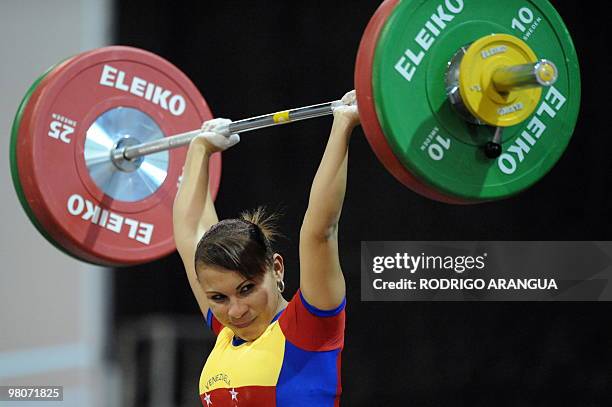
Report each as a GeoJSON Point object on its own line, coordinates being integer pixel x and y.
{"type": "Point", "coordinates": [243, 245]}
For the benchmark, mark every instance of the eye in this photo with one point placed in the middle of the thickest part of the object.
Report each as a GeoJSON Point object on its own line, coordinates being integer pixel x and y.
{"type": "Point", "coordinates": [217, 298]}
{"type": "Point", "coordinates": [247, 288]}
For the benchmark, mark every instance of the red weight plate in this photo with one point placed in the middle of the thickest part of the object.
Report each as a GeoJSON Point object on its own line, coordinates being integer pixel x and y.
{"type": "Point", "coordinates": [14, 159]}
{"type": "Point", "coordinates": [66, 195]}
{"type": "Point", "coordinates": [367, 111]}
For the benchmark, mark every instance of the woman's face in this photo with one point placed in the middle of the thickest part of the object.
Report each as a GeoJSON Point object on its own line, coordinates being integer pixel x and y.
{"type": "Point", "coordinates": [246, 306]}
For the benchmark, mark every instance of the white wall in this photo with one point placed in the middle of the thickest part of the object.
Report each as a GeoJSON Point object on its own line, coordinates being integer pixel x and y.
{"type": "Point", "coordinates": [53, 309]}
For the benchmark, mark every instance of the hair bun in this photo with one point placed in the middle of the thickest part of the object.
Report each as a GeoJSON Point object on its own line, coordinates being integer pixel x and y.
{"type": "Point", "coordinates": [267, 222]}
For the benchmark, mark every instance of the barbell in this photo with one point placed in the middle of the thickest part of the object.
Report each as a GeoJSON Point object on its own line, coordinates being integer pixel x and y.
{"type": "Point", "coordinates": [460, 103]}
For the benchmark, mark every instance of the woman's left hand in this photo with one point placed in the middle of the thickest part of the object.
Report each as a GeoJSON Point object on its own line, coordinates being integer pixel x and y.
{"type": "Point", "coordinates": [348, 109]}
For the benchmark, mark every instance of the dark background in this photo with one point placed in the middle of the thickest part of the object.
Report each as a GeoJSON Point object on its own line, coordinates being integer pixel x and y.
{"type": "Point", "coordinates": [250, 58]}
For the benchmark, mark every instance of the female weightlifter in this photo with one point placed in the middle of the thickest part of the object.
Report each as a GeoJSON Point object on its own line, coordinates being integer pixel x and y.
{"type": "Point", "coordinates": [269, 352]}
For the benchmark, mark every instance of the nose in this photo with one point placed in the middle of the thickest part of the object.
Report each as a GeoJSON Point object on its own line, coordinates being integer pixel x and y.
{"type": "Point", "coordinates": [237, 309]}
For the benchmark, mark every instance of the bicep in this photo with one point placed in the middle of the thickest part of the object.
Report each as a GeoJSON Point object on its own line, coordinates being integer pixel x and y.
{"type": "Point", "coordinates": [321, 279]}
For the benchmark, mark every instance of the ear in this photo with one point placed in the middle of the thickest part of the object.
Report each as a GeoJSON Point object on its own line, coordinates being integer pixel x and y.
{"type": "Point", "coordinates": [278, 267]}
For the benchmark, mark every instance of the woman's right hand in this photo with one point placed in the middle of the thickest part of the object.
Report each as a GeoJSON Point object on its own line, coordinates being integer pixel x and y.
{"type": "Point", "coordinates": [215, 135]}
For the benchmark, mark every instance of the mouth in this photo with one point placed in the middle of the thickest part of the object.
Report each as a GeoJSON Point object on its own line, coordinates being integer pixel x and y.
{"type": "Point", "coordinates": [243, 324]}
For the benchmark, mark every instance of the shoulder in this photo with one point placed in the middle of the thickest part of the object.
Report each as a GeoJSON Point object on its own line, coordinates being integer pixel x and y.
{"type": "Point", "coordinates": [213, 323]}
{"type": "Point", "coordinates": [313, 329]}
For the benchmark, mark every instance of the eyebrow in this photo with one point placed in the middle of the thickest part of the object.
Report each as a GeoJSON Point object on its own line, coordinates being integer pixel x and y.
{"type": "Point", "coordinates": [237, 287]}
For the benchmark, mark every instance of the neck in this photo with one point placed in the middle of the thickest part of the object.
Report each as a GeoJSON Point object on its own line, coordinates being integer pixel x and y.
{"type": "Point", "coordinates": [281, 304]}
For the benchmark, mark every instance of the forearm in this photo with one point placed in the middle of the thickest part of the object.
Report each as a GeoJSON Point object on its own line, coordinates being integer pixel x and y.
{"type": "Point", "coordinates": [329, 184]}
{"type": "Point", "coordinates": [194, 210]}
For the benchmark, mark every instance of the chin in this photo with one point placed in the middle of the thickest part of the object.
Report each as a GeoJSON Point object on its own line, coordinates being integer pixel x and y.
{"type": "Point", "coordinates": [251, 333]}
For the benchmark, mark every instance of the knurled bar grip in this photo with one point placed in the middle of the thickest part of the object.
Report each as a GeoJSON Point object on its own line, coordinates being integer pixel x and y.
{"type": "Point", "coordinates": [240, 126]}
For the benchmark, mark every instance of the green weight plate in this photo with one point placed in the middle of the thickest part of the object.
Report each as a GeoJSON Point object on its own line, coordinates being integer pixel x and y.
{"type": "Point", "coordinates": [367, 109]}
{"type": "Point", "coordinates": [430, 139]}
{"type": "Point", "coordinates": [13, 161]}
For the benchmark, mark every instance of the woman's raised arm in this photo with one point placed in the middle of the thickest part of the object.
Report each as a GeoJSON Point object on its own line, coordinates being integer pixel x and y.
{"type": "Point", "coordinates": [321, 280]}
{"type": "Point", "coordinates": [194, 211]}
